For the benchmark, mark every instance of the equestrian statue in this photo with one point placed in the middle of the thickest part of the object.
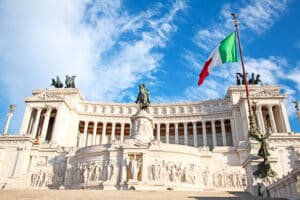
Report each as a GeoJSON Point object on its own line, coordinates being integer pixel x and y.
{"type": "Point", "coordinates": [143, 98]}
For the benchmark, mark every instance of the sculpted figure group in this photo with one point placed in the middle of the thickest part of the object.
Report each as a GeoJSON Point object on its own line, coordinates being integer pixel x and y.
{"type": "Point", "coordinates": [41, 179]}
{"type": "Point", "coordinates": [96, 171]}
{"type": "Point", "coordinates": [253, 80]}
{"type": "Point", "coordinates": [69, 82]}
{"type": "Point", "coordinates": [193, 174]}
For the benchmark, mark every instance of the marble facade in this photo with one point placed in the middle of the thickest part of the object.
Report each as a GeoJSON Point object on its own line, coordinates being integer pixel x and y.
{"type": "Point", "coordinates": [68, 142]}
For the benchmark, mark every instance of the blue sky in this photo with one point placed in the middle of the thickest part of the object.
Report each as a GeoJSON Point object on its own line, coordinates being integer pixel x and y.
{"type": "Point", "coordinates": [112, 46]}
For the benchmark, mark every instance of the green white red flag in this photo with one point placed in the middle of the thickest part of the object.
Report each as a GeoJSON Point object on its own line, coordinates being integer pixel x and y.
{"type": "Point", "coordinates": [225, 52]}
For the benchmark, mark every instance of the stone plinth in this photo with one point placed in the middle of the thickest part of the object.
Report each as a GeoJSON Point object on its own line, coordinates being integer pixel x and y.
{"type": "Point", "coordinates": [143, 126]}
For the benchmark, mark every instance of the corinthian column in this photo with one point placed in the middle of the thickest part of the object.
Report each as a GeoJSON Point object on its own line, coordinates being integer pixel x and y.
{"type": "Point", "coordinates": [46, 124]}
{"type": "Point", "coordinates": [158, 131]}
{"type": "Point", "coordinates": [9, 116]}
{"type": "Point", "coordinates": [113, 133]}
{"type": "Point", "coordinates": [36, 123]}
{"type": "Point", "coordinates": [260, 118]}
{"type": "Point", "coordinates": [185, 133]}
{"type": "Point", "coordinates": [94, 133]}
{"type": "Point", "coordinates": [85, 133]}
{"type": "Point", "coordinates": [167, 133]}
{"type": "Point", "coordinates": [122, 132]}
{"type": "Point", "coordinates": [204, 133]}
{"type": "Point", "coordinates": [223, 133]}
{"type": "Point", "coordinates": [176, 133]}
{"type": "Point", "coordinates": [195, 134]}
{"type": "Point", "coordinates": [214, 133]}
{"type": "Point", "coordinates": [103, 136]}
{"type": "Point", "coordinates": [273, 124]}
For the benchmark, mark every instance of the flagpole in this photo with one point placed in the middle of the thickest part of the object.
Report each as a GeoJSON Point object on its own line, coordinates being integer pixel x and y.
{"type": "Point", "coordinates": [263, 168]}
{"type": "Point", "coordinates": [243, 65]}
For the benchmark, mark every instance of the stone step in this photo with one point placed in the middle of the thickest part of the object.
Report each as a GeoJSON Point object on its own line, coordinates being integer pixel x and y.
{"type": "Point", "coordinates": [47, 194]}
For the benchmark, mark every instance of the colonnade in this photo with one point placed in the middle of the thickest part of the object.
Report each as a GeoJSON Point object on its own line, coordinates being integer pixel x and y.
{"type": "Point", "coordinates": [39, 122]}
{"type": "Point", "coordinates": [271, 118]}
{"type": "Point", "coordinates": [93, 132]}
{"type": "Point", "coordinates": [198, 133]}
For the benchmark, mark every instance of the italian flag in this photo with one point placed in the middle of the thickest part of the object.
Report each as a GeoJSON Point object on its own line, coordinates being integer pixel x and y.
{"type": "Point", "coordinates": [224, 52]}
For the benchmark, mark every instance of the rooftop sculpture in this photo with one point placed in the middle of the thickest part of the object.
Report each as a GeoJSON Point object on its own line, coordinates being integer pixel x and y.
{"type": "Point", "coordinates": [69, 82]}
{"type": "Point", "coordinates": [252, 81]}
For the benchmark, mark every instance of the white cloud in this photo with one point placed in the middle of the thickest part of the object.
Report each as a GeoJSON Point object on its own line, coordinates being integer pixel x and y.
{"type": "Point", "coordinates": [259, 16]}
{"type": "Point", "coordinates": [256, 16]}
{"type": "Point", "coordinates": [294, 76]}
{"type": "Point", "coordinates": [270, 69]}
{"type": "Point", "coordinates": [108, 48]}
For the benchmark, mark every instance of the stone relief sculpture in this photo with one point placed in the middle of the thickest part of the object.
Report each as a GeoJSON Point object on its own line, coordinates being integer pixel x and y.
{"type": "Point", "coordinates": [41, 179]}
{"type": "Point", "coordinates": [171, 172]}
{"type": "Point", "coordinates": [96, 171]}
{"type": "Point", "coordinates": [156, 170]}
{"type": "Point", "coordinates": [58, 174]}
{"type": "Point", "coordinates": [206, 177]}
{"type": "Point", "coordinates": [115, 170]}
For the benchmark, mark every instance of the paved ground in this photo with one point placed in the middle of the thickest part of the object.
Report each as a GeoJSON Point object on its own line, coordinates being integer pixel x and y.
{"type": "Point", "coordinates": [123, 195]}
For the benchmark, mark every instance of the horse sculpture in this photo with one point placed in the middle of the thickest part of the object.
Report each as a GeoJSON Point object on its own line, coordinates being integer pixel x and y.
{"type": "Point", "coordinates": [143, 98]}
{"type": "Point", "coordinates": [70, 81]}
{"type": "Point", "coordinates": [57, 83]}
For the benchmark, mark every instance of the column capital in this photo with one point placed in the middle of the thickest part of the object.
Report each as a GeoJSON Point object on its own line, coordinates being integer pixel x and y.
{"type": "Point", "coordinates": [39, 108]}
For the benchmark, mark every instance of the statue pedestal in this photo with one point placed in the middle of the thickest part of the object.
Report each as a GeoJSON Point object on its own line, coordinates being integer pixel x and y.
{"type": "Point", "coordinates": [142, 130]}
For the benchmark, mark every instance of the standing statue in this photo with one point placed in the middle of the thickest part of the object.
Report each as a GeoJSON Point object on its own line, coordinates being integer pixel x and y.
{"type": "Point", "coordinates": [264, 168]}
{"type": "Point", "coordinates": [143, 98]}
{"type": "Point", "coordinates": [70, 81]}
{"type": "Point", "coordinates": [57, 83]}
{"type": "Point", "coordinates": [257, 80]}
{"type": "Point", "coordinates": [238, 80]}
{"type": "Point", "coordinates": [241, 77]}
{"type": "Point", "coordinates": [252, 79]}
{"type": "Point", "coordinates": [296, 105]}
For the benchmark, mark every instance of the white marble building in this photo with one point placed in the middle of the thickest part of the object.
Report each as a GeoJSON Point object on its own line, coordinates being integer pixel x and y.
{"type": "Point", "coordinates": [68, 142]}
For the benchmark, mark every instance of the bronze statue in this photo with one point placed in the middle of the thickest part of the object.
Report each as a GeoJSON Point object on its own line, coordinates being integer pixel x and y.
{"type": "Point", "coordinates": [70, 81]}
{"type": "Point", "coordinates": [143, 98]}
{"type": "Point", "coordinates": [238, 80]}
{"type": "Point", "coordinates": [257, 80]}
{"type": "Point", "coordinates": [252, 79]}
{"type": "Point", "coordinates": [241, 76]}
{"type": "Point", "coordinates": [296, 105]}
{"type": "Point", "coordinates": [57, 83]}
{"type": "Point", "coordinates": [263, 168]}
